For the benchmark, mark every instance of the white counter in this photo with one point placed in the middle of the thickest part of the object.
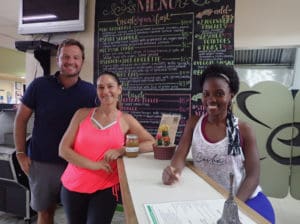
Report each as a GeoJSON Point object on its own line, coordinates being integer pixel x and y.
{"type": "Point", "coordinates": [141, 182]}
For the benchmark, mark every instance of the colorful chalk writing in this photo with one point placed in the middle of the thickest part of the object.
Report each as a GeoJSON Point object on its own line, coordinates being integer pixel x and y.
{"type": "Point", "coordinates": [159, 49]}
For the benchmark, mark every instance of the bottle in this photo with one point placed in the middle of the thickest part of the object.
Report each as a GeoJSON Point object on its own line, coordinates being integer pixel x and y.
{"type": "Point", "coordinates": [132, 145]}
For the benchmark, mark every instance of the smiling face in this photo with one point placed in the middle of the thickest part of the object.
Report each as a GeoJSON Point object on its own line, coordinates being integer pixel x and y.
{"type": "Point", "coordinates": [108, 90]}
{"type": "Point", "coordinates": [70, 60]}
{"type": "Point", "coordinates": [216, 96]}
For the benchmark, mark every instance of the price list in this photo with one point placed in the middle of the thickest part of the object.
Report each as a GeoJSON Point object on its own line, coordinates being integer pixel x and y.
{"type": "Point", "coordinates": [213, 38]}
{"type": "Point", "coordinates": [147, 108]}
{"type": "Point", "coordinates": [135, 47]}
{"type": "Point", "coordinates": [159, 50]}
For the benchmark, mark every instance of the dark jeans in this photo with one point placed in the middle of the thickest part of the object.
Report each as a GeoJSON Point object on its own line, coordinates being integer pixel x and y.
{"type": "Point", "coordinates": [94, 208]}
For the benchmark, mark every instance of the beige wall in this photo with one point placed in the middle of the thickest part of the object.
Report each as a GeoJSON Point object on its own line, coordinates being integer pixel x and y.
{"type": "Point", "coordinates": [12, 61]}
{"type": "Point", "coordinates": [265, 23]}
{"type": "Point", "coordinates": [258, 23]}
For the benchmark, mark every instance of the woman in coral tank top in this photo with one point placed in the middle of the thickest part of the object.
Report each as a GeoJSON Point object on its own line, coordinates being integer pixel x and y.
{"type": "Point", "coordinates": [91, 145]}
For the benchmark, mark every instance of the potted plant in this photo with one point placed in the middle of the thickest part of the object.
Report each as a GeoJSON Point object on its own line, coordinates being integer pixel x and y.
{"type": "Point", "coordinates": [163, 149]}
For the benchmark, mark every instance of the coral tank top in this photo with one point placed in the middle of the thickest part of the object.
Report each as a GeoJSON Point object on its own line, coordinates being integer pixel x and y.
{"type": "Point", "coordinates": [92, 143]}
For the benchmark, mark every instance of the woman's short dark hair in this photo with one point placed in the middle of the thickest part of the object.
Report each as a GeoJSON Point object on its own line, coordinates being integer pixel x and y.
{"type": "Point", "coordinates": [71, 42]}
{"type": "Point", "coordinates": [226, 72]}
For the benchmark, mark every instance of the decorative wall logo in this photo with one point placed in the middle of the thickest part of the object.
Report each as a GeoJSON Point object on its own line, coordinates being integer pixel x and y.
{"type": "Point", "coordinates": [293, 127]}
{"type": "Point", "coordinates": [294, 160]}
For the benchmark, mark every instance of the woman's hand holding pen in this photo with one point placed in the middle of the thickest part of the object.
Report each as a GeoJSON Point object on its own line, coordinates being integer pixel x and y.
{"type": "Point", "coordinates": [170, 175]}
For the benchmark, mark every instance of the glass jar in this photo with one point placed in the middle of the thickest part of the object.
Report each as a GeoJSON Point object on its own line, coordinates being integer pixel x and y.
{"type": "Point", "coordinates": [132, 145]}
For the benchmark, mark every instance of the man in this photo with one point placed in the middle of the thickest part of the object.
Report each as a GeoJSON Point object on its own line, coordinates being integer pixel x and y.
{"type": "Point", "coordinates": [53, 99]}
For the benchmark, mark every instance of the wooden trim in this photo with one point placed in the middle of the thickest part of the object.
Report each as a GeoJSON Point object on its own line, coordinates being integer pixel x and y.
{"type": "Point", "coordinates": [129, 211]}
{"type": "Point", "coordinates": [245, 208]}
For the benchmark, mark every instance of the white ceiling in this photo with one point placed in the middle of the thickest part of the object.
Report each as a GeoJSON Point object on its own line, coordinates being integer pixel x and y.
{"type": "Point", "coordinates": [9, 13]}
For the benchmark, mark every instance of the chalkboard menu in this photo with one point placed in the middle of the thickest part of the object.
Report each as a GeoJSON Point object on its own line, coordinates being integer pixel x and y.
{"type": "Point", "coordinates": [159, 48]}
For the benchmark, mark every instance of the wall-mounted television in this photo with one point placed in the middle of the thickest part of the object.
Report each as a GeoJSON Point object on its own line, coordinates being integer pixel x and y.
{"type": "Point", "coordinates": [51, 16]}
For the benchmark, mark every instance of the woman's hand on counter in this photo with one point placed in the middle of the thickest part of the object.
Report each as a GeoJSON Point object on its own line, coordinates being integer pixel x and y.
{"type": "Point", "coordinates": [114, 154]}
{"type": "Point", "coordinates": [170, 175]}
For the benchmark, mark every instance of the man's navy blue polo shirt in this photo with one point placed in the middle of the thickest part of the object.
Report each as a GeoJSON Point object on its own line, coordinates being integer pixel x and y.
{"type": "Point", "coordinates": [53, 107]}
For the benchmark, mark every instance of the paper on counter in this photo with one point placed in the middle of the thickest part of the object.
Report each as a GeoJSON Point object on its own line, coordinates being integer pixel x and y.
{"type": "Point", "coordinates": [189, 212]}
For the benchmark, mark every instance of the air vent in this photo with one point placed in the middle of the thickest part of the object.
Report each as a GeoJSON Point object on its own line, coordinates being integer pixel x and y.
{"type": "Point", "coordinates": [271, 56]}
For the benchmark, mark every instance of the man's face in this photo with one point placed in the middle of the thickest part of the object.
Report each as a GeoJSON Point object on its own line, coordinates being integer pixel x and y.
{"type": "Point", "coordinates": [70, 61]}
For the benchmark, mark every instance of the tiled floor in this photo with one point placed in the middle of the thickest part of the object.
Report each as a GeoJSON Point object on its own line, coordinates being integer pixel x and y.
{"type": "Point", "coordinates": [59, 218]}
